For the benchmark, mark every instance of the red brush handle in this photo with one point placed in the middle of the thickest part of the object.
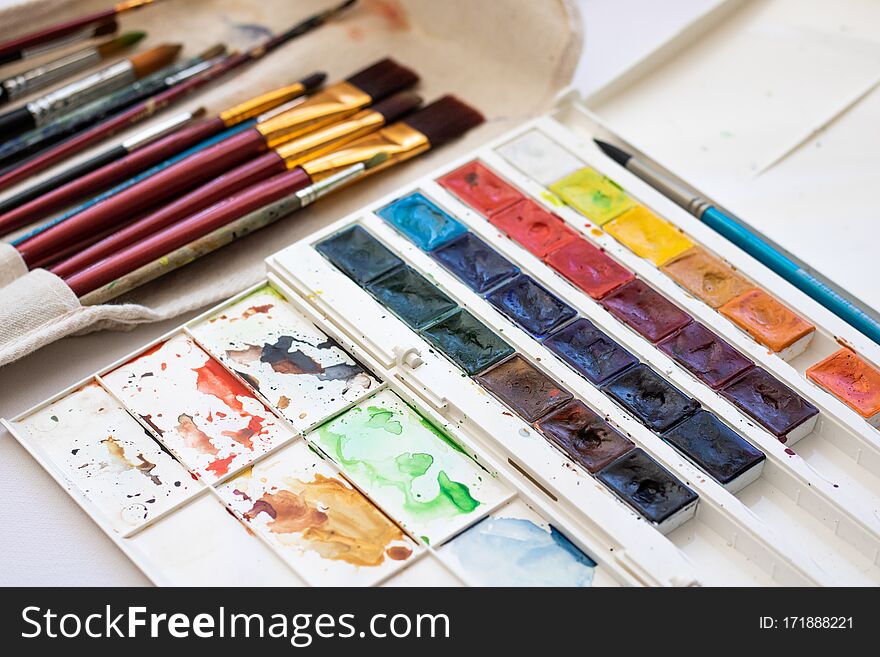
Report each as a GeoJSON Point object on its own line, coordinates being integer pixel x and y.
{"type": "Point", "coordinates": [109, 174]}
{"type": "Point", "coordinates": [118, 122]}
{"type": "Point", "coordinates": [54, 32]}
{"type": "Point", "coordinates": [186, 231]}
{"type": "Point", "coordinates": [77, 246]}
{"type": "Point", "coordinates": [183, 176]}
{"type": "Point", "coordinates": [249, 173]}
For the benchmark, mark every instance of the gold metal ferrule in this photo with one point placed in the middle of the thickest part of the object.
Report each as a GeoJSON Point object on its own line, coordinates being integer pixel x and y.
{"type": "Point", "coordinates": [316, 143]}
{"type": "Point", "coordinates": [260, 104]}
{"type": "Point", "coordinates": [132, 4]}
{"type": "Point", "coordinates": [399, 141]}
{"type": "Point", "coordinates": [334, 103]}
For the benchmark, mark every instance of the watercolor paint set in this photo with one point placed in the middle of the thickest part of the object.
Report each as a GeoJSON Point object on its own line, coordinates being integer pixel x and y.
{"type": "Point", "coordinates": [526, 368]}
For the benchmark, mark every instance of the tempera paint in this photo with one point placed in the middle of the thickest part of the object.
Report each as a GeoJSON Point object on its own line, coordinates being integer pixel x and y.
{"type": "Point", "coordinates": [480, 188]}
{"type": "Point", "coordinates": [648, 236]}
{"type": "Point", "coordinates": [597, 197]}
{"type": "Point", "coordinates": [706, 277]}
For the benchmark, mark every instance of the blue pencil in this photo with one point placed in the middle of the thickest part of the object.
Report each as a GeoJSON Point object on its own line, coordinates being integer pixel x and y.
{"type": "Point", "coordinates": [755, 246]}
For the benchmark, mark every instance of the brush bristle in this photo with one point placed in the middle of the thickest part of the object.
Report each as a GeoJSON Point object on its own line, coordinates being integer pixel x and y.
{"type": "Point", "coordinates": [120, 42]}
{"type": "Point", "coordinates": [104, 29]}
{"type": "Point", "coordinates": [214, 51]}
{"type": "Point", "coordinates": [152, 60]}
{"type": "Point", "coordinates": [313, 81]}
{"type": "Point", "coordinates": [383, 78]}
{"type": "Point", "coordinates": [444, 120]}
{"type": "Point", "coordinates": [397, 106]}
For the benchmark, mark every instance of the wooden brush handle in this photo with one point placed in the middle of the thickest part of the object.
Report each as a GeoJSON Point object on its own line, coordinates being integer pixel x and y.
{"type": "Point", "coordinates": [104, 177]}
{"type": "Point", "coordinates": [185, 175]}
{"type": "Point", "coordinates": [186, 231]}
{"type": "Point", "coordinates": [224, 186]}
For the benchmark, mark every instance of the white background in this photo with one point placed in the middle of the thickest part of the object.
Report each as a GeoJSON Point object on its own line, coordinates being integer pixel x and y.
{"type": "Point", "coordinates": [45, 539]}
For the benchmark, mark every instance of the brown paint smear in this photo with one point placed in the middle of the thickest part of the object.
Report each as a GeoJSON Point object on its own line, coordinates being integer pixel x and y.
{"type": "Point", "coordinates": [337, 521]}
{"type": "Point", "coordinates": [194, 437]}
{"type": "Point", "coordinates": [117, 457]}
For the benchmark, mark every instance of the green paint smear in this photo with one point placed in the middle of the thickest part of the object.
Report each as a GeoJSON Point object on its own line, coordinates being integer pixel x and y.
{"type": "Point", "coordinates": [442, 435]}
{"type": "Point", "coordinates": [400, 473]}
{"type": "Point", "coordinates": [368, 443]}
{"type": "Point", "coordinates": [381, 419]}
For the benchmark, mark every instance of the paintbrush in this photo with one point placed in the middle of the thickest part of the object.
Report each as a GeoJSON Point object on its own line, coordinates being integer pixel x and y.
{"type": "Point", "coordinates": [275, 161]}
{"type": "Point", "coordinates": [84, 34]}
{"type": "Point", "coordinates": [433, 126]}
{"type": "Point", "coordinates": [153, 153]}
{"type": "Point", "coordinates": [735, 230]}
{"type": "Point", "coordinates": [44, 109]}
{"type": "Point", "coordinates": [64, 33]}
{"type": "Point", "coordinates": [155, 103]}
{"type": "Point", "coordinates": [231, 232]}
{"type": "Point", "coordinates": [135, 142]}
{"type": "Point", "coordinates": [56, 70]}
{"type": "Point", "coordinates": [336, 101]}
{"type": "Point", "coordinates": [143, 175]}
{"type": "Point", "coordinates": [70, 123]}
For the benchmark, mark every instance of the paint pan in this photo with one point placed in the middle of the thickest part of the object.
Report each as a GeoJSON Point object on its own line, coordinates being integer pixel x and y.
{"type": "Point", "coordinates": [208, 418]}
{"type": "Point", "coordinates": [649, 488]}
{"type": "Point", "coordinates": [283, 356]}
{"type": "Point", "coordinates": [327, 531]}
{"type": "Point", "coordinates": [770, 323]}
{"type": "Point", "coordinates": [409, 466]}
{"type": "Point", "coordinates": [105, 453]}
{"type": "Point", "coordinates": [475, 263]}
{"type": "Point", "coordinates": [514, 546]}
{"type": "Point", "coordinates": [852, 380]}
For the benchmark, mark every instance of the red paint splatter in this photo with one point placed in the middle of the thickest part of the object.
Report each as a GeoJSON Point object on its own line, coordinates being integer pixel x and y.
{"type": "Point", "coordinates": [221, 466]}
{"type": "Point", "coordinates": [254, 310]}
{"type": "Point", "coordinates": [213, 380]}
{"type": "Point", "coordinates": [790, 451]}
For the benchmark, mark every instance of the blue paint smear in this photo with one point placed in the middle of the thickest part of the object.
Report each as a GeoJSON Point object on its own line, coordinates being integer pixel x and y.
{"type": "Point", "coordinates": [534, 308]}
{"type": "Point", "coordinates": [589, 351]}
{"type": "Point", "coordinates": [475, 264]}
{"type": "Point", "coordinates": [143, 175]}
{"type": "Point", "coordinates": [358, 254]}
{"type": "Point", "coordinates": [517, 552]}
{"type": "Point", "coordinates": [423, 222]}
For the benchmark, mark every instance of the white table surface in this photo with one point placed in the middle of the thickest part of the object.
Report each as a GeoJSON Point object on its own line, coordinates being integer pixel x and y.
{"type": "Point", "coordinates": [46, 539]}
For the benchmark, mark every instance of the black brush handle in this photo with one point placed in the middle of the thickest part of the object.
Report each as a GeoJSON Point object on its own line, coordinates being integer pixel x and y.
{"type": "Point", "coordinates": [64, 177]}
{"type": "Point", "coordinates": [13, 56]}
{"type": "Point", "coordinates": [15, 122]}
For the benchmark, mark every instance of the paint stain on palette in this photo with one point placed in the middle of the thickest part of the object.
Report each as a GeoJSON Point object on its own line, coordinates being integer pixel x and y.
{"type": "Point", "coordinates": [325, 529]}
{"type": "Point", "coordinates": [515, 546]}
{"type": "Point", "coordinates": [417, 473]}
{"type": "Point", "coordinates": [300, 370]}
{"type": "Point", "coordinates": [201, 412]}
{"type": "Point", "coordinates": [106, 454]}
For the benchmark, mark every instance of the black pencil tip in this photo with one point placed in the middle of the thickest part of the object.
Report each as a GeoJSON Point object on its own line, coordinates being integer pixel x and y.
{"type": "Point", "coordinates": [618, 155]}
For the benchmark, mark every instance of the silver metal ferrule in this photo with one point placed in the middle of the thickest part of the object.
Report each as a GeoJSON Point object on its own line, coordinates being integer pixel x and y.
{"type": "Point", "coordinates": [157, 131]}
{"type": "Point", "coordinates": [189, 72]}
{"type": "Point", "coordinates": [42, 48]}
{"type": "Point", "coordinates": [79, 92]}
{"type": "Point", "coordinates": [40, 77]}
{"type": "Point", "coordinates": [310, 194]}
